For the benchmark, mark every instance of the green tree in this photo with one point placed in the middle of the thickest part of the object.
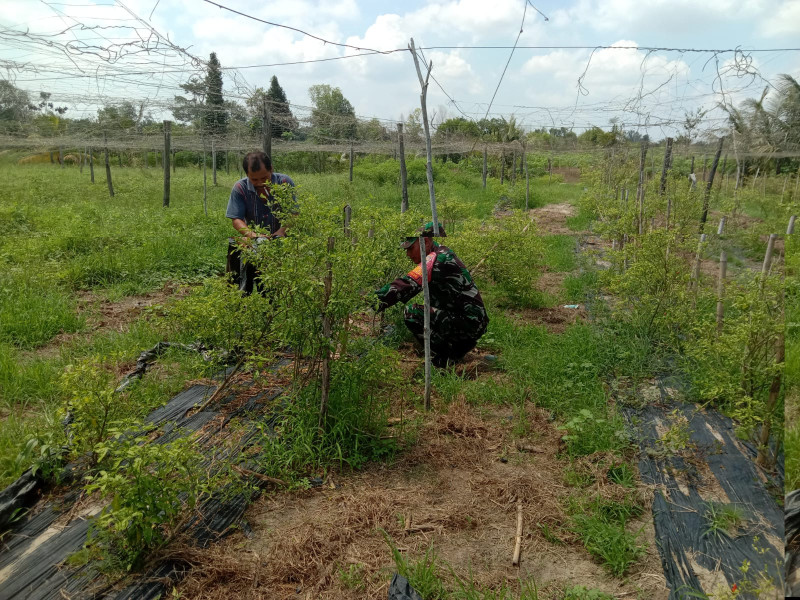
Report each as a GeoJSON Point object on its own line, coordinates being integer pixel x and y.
{"type": "Point", "coordinates": [283, 121]}
{"type": "Point", "coordinates": [372, 131]}
{"type": "Point", "coordinates": [333, 117]}
{"type": "Point", "coordinates": [215, 117]}
{"type": "Point", "coordinates": [15, 107]}
{"type": "Point", "coordinates": [124, 116]}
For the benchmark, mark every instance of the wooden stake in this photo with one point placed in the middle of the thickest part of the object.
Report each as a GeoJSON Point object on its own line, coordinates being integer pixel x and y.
{"type": "Point", "coordinates": [721, 226]}
{"type": "Point", "coordinates": [527, 180]}
{"type": "Point", "coordinates": [709, 184]}
{"type": "Point", "coordinates": [723, 267]}
{"type": "Point", "coordinates": [665, 167]}
{"type": "Point", "coordinates": [347, 215]}
{"type": "Point", "coordinates": [83, 160]}
{"type": "Point", "coordinates": [790, 228]}
{"type": "Point", "coordinates": [514, 168]}
{"type": "Point", "coordinates": [108, 168]}
{"type": "Point", "coordinates": [503, 168]}
{"type": "Point", "coordinates": [765, 458]}
{"type": "Point", "coordinates": [351, 163]}
{"type": "Point", "coordinates": [518, 542]}
{"type": "Point", "coordinates": [91, 164]}
{"type": "Point", "coordinates": [429, 167]}
{"type": "Point", "coordinates": [167, 154]}
{"type": "Point", "coordinates": [213, 163]}
{"type": "Point", "coordinates": [61, 158]}
{"type": "Point", "coordinates": [326, 335]}
{"type": "Point", "coordinates": [485, 166]}
{"type": "Point", "coordinates": [426, 294]}
{"type": "Point", "coordinates": [205, 183]}
{"type": "Point", "coordinates": [640, 188]}
{"type": "Point", "coordinates": [403, 172]}
{"type": "Point", "coordinates": [768, 257]}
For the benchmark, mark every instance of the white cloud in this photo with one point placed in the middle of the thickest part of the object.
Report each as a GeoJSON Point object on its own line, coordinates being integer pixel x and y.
{"type": "Point", "coordinates": [782, 21]}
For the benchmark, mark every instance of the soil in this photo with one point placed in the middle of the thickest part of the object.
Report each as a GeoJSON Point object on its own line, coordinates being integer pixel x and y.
{"type": "Point", "coordinates": [570, 174]}
{"type": "Point", "coordinates": [552, 218]}
{"type": "Point", "coordinates": [555, 320]}
{"type": "Point", "coordinates": [453, 493]}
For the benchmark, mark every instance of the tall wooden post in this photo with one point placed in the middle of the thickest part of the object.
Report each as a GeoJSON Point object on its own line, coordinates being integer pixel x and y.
{"type": "Point", "coordinates": [640, 188]}
{"type": "Point", "coordinates": [266, 128]}
{"type": "Point", "coordinates": [167, 153]}
{"type": "Point", "coordinates": [429, 166]}
{"type": "Point", "coordinates": [205, 182]}
{"type": "Point", "coordinates": [709, 184]}
{"type": "Point", "coordinates": [527, 180]}
{"type": "Point", "coordinates": [83, 159]}
{"type": "Point", "coordinates": [426, 294]}
{"type": "Point", "coordinates": [485, 165]}
{"type": "Point", "coordinates": [214, 162]}
{"type": "Point", "coordinates": [503, 168]}
{"type": "Point", "coordinates": [665, 167]}
{"type": "Point", "coordinates": [514, 168]}
{"type": "Point", "coordinates": [351, 162]}
{"type": "Point", "coordinates": [723, 266]}
{"type": "Point", "coordinates": [108, 168]}
{"type": "Point", "coordinates": [403, 172]}
{"type": "Point", "coordinates": [790, 228]}
{"type": "Point", "coordinates": [91, 164]}
{"type": "Point", "coordinates": [61, 156]}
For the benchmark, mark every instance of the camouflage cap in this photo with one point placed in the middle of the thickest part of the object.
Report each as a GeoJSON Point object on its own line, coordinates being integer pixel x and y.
{"type": "Point", "coordinates": [424, 231]}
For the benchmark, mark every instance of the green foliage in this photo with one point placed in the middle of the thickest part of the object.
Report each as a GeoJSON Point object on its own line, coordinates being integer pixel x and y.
{"type": "Point", "coordinates": [149, 486]}
{"type": "Point", "coordinates": [424, 574]}
{"type": "Point", "coordinates": [587, 433]}
{"type": "Point", "coordinates": [601, 525]}
{"type": "Point", "coordinates": [579, 592]}
{"type": "Point", "coordinates": [722, 519]}
{"type": "Point", "coordinates": [332, 117]}
{"type": "Point", "coordinates": [622, 474]}
{"type": "Point", "coordinates": [512, 256]}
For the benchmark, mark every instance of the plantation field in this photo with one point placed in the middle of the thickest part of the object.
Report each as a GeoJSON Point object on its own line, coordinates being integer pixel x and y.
{"type": "Point", "coordinates": [587, 319]}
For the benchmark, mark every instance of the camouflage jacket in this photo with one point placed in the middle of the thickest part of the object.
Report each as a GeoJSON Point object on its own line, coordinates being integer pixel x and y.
{"type": "Point", "coordinates": [451, 286]}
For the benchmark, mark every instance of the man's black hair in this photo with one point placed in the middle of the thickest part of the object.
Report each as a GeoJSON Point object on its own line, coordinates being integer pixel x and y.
{"type": "Point", "coordinates": [253, 161]}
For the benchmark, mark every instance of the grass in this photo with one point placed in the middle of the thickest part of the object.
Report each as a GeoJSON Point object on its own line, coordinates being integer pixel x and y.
{"type": "Point", "coordinates": [723, 519]}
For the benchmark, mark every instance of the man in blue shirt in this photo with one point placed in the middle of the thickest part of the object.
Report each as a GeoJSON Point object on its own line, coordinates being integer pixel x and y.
{"type": "Point", "coordinates": [252, 204]}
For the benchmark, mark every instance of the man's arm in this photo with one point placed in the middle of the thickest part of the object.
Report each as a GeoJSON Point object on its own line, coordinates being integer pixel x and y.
{"type": "Point", "coordinates": [240, 226]}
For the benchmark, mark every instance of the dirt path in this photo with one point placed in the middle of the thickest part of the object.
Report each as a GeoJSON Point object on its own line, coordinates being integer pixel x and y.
{"type": "Point", "coordinates": [552, 218]}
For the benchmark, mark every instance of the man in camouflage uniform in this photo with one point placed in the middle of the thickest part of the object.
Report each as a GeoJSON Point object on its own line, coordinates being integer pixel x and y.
{"type": "Point", "coordinates": [458, 317]}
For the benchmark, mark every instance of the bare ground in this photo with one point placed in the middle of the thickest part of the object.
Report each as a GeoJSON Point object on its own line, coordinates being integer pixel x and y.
{"type": "Point", "coordinates": [552, 218]}
{"type": "Point", "coordinates": [455, 491]}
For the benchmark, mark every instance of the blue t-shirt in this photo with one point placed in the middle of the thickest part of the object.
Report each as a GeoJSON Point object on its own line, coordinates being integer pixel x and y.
{"type": "Point", "coordinates": [246, 204]}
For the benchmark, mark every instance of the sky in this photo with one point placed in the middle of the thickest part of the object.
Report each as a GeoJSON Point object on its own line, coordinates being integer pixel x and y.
{"type": "Point", "coordinates": [570, 84]}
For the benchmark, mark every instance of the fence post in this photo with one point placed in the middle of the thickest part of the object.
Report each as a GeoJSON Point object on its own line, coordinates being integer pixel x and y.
{"type": "Point", "coordinates": [83, 158]}
{"type": "Point", "coordinates": [709, 184]}
{"type": "Point", "coordinates": [167, 153]}
{"type": "Point", "coordinates": [213, 162]}
{"type": "Point", "coordinates": [91, 164]}
{"type": "Point", "coordinates": [351, 162]}
{"type": "Point", "coordinates": [326, 334]}
{"type": "Point", "coordinates": [768, 257]}
{"type": "Point", "coordinates": [347, 214]}
{"type": "Point", "coordinates": [723, 267]}
{"type": "Point", "coordinates": [640, 188]}
{"type": "Point", "coordinates": [205, 182]}
{"type": "Point", "coordinates": [665, 167]}
{"type": "Point", "coordinates": [403, 172]}
{"type": "Point", "coordinates": [721, 226]}
{"type": "Point", "coordinates": [108, 168]}
{"type": "Point", "coordinates": [485, 165]}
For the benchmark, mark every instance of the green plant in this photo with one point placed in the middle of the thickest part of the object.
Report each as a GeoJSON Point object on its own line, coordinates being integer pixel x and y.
{"type": "Point", "coordinates": [677, 436]}
{"type": "Point", "coordinates": [424, 574]}
{"type": "Point", "coordinates": [723, 519]}
{"type": "Point", "coordinates": [587, 433]}
{"type": "Point", "coordinates": [579, 592]}
{"type": "Point", "coordinates": [149, 487]}
{"type": "Point", "coordinates": [622, 474]}
{"type": "Point", "coordinates": [352, 577]}
{"type": "Point", "coordinates": [610, 542]}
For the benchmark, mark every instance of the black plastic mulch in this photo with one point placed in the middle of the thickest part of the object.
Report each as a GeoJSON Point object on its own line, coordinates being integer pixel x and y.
{"type": "Point", "coordinates": [34, 550]}
{"type": "Point", "coordinates": [692, 555]}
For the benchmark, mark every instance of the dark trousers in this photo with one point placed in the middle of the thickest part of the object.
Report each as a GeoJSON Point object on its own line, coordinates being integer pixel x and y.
{"type": "Point", "coordinates": [452, 334]}
{"type": "Point", "coordinates": [241, 273]}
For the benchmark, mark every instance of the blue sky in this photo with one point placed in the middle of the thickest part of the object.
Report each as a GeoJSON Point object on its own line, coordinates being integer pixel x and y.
{"type": "Point", "coordinates": [643, 90]}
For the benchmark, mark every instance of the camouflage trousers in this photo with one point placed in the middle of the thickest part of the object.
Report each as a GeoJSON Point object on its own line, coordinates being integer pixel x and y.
{"type": "Point", "coordinates": [452, 334]}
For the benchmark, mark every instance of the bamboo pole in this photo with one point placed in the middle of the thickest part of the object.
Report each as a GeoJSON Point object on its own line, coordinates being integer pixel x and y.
{"type": "Point", "coordinates": [403, 172]}
{"type": "Point", "coordinates": [326, 334]}
{"type": "Point", "coordinates": [790, 228]}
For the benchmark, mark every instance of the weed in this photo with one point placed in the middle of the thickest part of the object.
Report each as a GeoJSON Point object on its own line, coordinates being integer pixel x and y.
{"type": "Point", "coordinates": [677, 437]}
{"type": "Point", "coordinates": [610, 542]}
{"type": "Point", "coordinates": [622, 474]}
{"type": "Point", "coordinates": [723, 519]}
{"type": "Point", "coordinates": [579, 592]}
{"type": "Point", "coordinates": [352, 578]}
